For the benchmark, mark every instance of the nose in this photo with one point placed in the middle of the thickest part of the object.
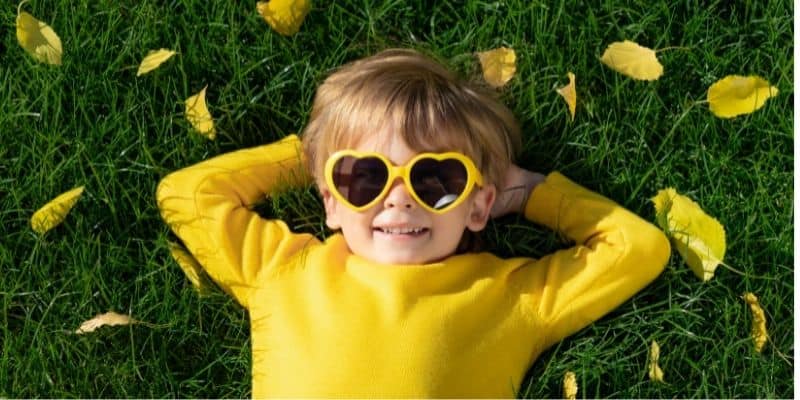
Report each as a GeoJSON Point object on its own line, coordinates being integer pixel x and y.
{"type": "Point", "coordinates": [398, 196]}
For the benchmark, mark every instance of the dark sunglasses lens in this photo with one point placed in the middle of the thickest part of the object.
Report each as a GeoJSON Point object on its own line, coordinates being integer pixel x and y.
{"type": "Point", "coordinates": [438, 183]}
{"type": "Point", "coordinates": [359, 180]}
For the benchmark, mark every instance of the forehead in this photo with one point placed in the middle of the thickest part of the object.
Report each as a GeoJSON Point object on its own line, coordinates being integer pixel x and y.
{"type": "Point", "coordinates": [387, 137]}
{"type": "Point", "coordinates": [390, 144]}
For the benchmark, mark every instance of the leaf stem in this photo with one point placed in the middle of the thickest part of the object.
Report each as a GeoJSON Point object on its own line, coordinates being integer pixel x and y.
{"type": "Point", "coordinates": [19, 7]}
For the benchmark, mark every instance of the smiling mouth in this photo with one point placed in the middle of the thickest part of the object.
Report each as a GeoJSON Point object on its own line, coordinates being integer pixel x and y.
{"type": "Point", "coordinates": [402, 231]}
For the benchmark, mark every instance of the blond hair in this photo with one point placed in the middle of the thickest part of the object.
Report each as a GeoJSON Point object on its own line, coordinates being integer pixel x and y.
{"type": "Point", "coordinates": [417, 98]}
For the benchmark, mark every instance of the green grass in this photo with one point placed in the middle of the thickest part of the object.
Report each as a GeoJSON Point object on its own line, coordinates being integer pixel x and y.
{"type": "Point", "coordinates": [92, 122]}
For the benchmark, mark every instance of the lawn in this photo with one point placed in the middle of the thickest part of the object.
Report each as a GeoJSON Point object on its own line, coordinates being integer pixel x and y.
{"type": "Point", "coordinates": [93, 122]}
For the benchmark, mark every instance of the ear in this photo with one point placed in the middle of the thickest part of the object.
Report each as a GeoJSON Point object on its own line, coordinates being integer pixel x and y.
{"type": "Point", "coordinates": [331, 209]}
{"type": "Point", "coordinates": [481, 207]}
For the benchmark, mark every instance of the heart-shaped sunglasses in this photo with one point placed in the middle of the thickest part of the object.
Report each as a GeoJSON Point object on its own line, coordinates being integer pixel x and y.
{"type": "Point", "coordinates": [437, 181]}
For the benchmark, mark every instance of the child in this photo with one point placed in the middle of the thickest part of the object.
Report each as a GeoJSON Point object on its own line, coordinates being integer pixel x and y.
{"type": "Point", "coordinates": [407, 159]}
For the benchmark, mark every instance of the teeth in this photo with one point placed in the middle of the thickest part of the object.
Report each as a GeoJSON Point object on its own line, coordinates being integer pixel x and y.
{"type": "Point", "coordinates": [399, 231]}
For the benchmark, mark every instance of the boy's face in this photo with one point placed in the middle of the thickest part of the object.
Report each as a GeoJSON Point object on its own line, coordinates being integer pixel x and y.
{"type": "Point", "coordinates": [398, 230]}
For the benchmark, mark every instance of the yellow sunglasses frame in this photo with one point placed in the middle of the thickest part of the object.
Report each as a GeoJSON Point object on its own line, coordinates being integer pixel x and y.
{"type": "Point", "coordinates": [474, 177]}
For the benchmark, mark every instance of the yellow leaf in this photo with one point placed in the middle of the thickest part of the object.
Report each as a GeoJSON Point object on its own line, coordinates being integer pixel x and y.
{"type": "Point", "coordinates": [569, 94]}
{"type": "Point", "coordinates": [759, 328]}
{"type": "Point", "coordinates": [110, 318]}
{"type": "Point", "coordinates": [54, 212]}
{"type": "Point", "coordinates": [633, 60]}
{"type": "Point", "coordinates": [570, 385]}
{"type": "Point", "coordinates": [699, 238]}
{"type": "Point", "coordinates": [190, 267]}
{"type": "Point", "coordinates": [153, 60]}
{"type": "Point", "coordinates": [38, 39]}
{"type": "Point", "coordinates": [736, 95]}
{"type": "Point", "coordinates": [498, 65]}
{"type": "Point", "coordinates": [284, 16]}
{"type": "Point", "coordinates": [198, 115]}
{"type": "Point", "coordinates": [654, 371]}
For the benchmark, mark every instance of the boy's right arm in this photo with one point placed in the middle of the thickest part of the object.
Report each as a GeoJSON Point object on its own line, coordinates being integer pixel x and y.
{"type": "Point", "coordinates": [616, 254]}
{"type": "Point", "coordinates": [208, 206]}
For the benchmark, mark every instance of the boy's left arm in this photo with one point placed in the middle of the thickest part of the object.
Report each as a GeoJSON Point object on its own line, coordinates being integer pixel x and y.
{"type": "Point", "coordinates": [616, 254]}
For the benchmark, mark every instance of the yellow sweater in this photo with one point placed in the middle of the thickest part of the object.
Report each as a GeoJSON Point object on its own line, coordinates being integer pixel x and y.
{"type": "Point", "coordinates": [327, 323]}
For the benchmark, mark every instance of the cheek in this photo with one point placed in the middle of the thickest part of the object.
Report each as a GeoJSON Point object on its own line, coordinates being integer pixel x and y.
{"type": "Point", "coordinates": [357, 231]}
{"type": "Point", "coordinates": [452, 223]}
{"type": "Point", "coordinates": [354, 222]}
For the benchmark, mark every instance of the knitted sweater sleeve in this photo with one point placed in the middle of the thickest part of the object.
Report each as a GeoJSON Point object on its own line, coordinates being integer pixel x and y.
{"type": "Point", "coordinates": [616, 254]}
{"type": "Point", "coordinates": [208, 204]}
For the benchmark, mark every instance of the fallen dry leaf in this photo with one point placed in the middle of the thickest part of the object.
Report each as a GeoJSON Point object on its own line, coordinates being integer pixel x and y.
{"type": "Point", "coordinates": [570, 385]}
{"type": "Point", "coordinates": [569, 94]}
{"type": "Point", "coordinates": [153, 60]}
{"type": "Point", "coordinates": [738, 95]}
{"type": "Point", "coordinates": [654, 371]}
{"type": "Point", "coordinates": [633, 60]}
{"type": "Point", "coordinates": [198, 115]}
{"type": "Point", "coordinates": [498, 65]}
{"type": "Point", "coordinates": [759, 328]}
{"type": "Point", "coordinates": [54, 212]}
{"type": "Point", "coordinates": [38, 38]}
{"type": "Point", "coordinates": [284, 16]}
{"type": "Point", "coordinates": [699, 238]}
{"type": "Point", "coordinates": [110, 319]}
